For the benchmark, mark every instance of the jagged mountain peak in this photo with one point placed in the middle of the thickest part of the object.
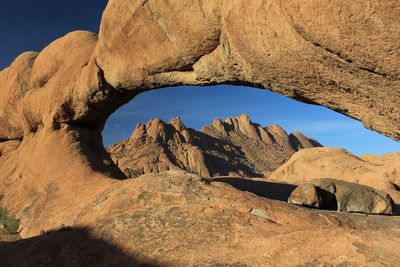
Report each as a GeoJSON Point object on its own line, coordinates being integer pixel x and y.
{"type": "Point", "coordinates": [236, 146]}
{"type": "Point", "coordinates": [177, 124]}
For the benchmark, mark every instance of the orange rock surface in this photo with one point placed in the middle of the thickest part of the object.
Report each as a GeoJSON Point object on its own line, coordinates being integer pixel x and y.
{"type": "Point", "coordinates": [180, 219]}
{"type": "Point", "coordinates": [54, 104]}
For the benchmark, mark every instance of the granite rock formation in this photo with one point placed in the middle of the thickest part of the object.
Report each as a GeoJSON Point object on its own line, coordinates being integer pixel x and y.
{"type": "Point", "coordinates": [204, 223]}
{"type": "Point", "coordinates": [379, 172]}
{"type": "Point", "coordinates": [53, 104]}
{"type": "Point", "coordinates": [342, 196]}
{"type": "Point", "coordinates": [234, 147]}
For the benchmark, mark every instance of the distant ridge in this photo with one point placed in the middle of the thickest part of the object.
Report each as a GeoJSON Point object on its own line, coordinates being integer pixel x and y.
{"type": "Point", "coordinates": [234, 147]}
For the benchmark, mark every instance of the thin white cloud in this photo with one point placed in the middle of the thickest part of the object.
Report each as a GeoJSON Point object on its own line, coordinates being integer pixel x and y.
{"type": "Point", "coordinates": [326, 126]}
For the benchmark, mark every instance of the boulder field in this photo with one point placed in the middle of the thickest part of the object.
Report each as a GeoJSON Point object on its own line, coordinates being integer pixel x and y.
{"type": "Point", "coordinates": [55, 171]}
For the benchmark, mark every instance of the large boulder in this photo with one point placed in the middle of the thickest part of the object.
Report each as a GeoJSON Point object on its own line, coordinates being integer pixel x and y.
{"type": "Point", "coordinates": [342, 196]}
{"type": "Point", "coordinates": [379, 172]}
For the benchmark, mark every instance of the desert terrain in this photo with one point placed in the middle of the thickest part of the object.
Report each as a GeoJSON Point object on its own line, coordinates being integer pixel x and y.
{"type": "Point", "coordinates": [170, 196]}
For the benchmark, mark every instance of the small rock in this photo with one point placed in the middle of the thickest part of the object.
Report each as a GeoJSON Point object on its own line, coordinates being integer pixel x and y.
{"type": "Point", "coordinates": [261, 213]}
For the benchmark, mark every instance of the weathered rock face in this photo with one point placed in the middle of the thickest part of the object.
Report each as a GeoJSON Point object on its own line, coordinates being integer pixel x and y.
{"type": "Point", "coordinates": [381, 173]}
{"type": "Point", "coordinates": [204, 223]}
{"type": "Point", "coordinates": [8, 146]}
{"type": "Point", "coordinates": [343, 55]}
{"type": "Point", "coordinates": [342, 196]}
{"type": "Point", "coordinates": [236, 147]}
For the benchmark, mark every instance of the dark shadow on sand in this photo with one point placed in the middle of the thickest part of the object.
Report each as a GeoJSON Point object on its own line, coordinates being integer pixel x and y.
{"type": "Point", "coordinates": [72, 248]}
{"type": "Point", "coordinates": [271, 190]}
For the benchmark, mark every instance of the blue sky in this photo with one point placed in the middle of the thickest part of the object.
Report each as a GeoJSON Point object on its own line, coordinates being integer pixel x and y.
{"type": "Point", "coordinates": [198, 106]}
{"type": "Point", "coordinates": [27, 25]}
{"type": "Point", "coordinates": [30, 25]}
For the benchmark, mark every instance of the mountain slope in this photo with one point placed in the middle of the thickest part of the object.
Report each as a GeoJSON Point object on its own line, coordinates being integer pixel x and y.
{"type": "Point", "coordinates": [235, 147]}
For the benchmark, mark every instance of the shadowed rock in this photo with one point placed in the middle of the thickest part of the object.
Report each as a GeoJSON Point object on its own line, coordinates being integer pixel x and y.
{"type": "Point", "coordinates": [205, 223]}
{"type": "Point", "coordinates": [379, 172]}
{"type": "Point", "coordinates": [74, 247]}
{"type": "Point", "coordinates": [347, 197]}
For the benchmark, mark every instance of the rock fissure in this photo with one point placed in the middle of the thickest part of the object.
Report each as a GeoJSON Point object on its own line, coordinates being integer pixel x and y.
{"type": "Point", "coordinates": [335, 53]}
{"type": "Point", "coordinates": [341, 55]}
{"type": "Point", "coordinates": [371, 70]}
{"type": "Point", "coordinates": [2, 140]}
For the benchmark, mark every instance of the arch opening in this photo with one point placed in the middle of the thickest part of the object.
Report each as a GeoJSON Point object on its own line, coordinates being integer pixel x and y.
{"type": "Point", "coordinates": [198, 107]}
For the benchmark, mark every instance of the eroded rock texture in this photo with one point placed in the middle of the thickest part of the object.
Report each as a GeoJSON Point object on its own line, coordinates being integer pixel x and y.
{"type": "Point", "coordinates": [342, 55]}
{"type": "Point", "coordinates": [234, 147]}
{"type": "Point", "coordinates": [206, 224]}
{"type": "Point", "coordinates": [53, 104]}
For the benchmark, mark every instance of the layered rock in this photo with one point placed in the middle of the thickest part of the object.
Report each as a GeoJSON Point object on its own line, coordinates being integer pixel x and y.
{"type": "Point", "coordinates": [379, 172]}
{"type": "Point", "coordinates": [235, 147]}
{"type": "Point", "coordinates": [342, 196]}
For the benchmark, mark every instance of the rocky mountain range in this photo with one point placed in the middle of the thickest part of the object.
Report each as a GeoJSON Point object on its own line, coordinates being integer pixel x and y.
{"type": "Point", "coordinates": [234, 147]}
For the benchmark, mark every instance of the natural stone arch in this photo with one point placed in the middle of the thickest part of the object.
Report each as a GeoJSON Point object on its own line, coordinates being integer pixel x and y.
{"type": "Point", "coordinates": [343, 55]}
{"type": "Point", "coordinates": [272, 45]}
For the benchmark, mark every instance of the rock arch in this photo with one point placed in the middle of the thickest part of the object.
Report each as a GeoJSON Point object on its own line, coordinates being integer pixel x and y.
{"type": "Point", "coordinates": [343, 55]}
